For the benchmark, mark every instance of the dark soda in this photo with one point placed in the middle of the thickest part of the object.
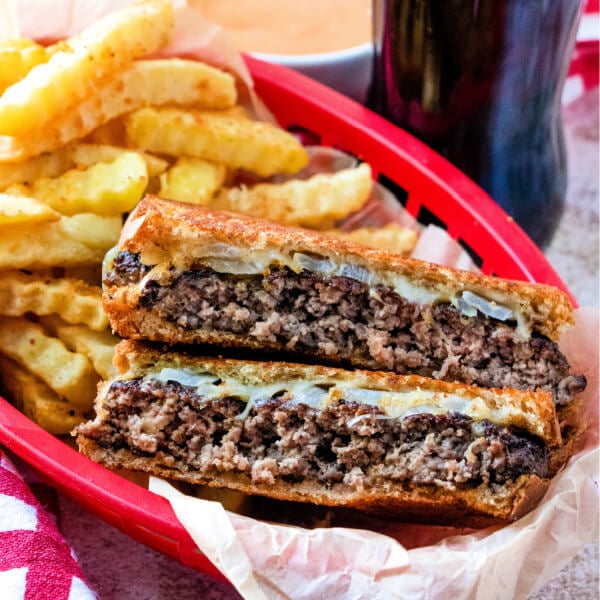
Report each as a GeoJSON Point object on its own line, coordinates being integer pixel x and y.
{"type": "Point", "coordinates": [480, 81]}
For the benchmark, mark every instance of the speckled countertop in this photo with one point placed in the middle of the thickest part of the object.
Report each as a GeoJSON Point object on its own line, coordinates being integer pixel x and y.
{"type": "Point", "coordinates": [574, 249]}
{"type": "Point", "coordinates": [120, 569]}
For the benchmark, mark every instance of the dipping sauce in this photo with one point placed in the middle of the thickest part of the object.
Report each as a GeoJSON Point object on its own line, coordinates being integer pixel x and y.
{"type": "Point", "coordinates": [291, 26]}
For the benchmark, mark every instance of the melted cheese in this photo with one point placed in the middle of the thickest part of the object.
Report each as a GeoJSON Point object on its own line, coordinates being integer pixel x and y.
{"type": "Point", "coordinates": [320, 394]}
{"type": "Point", "coordinates": [229, 259]}
{"type": "Point", "coordinates": [262, 263]}
{"type": "Point", "coordinates": [465, 301]}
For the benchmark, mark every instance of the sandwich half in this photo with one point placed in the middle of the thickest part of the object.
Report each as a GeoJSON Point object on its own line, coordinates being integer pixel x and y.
{"type": "Point", "coordinates": [388, 444]}
{"type": "Point", "coordinates": [184, 274]}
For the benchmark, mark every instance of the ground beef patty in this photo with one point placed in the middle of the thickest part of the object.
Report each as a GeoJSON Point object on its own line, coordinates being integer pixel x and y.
{"type": "Point", "coordinates": [341, 321]}
{"type": "Point", "coordinates": [281, 439]}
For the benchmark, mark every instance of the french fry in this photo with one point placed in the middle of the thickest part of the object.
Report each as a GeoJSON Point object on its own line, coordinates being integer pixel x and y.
{"type": "Point", "coordinates": [36, 400]}
{"type": "Point", "coordinates": [20, 43]}
{"type": "Point", "coordinates": [192, 180]}
{"type": "Point", "coordinates": [182, 82]}
{"type": "Point", "coordinates": [15, 210]}
{"type": "Point", "coordinates": [237, 143]}
{"type": "Point", "coordinates": [104, 189]}
{"type": "Point", "coordinates": [154, 164]}
{"type": "Point", "coordinates": [391, 237]}
{"type": "Point", "coordinates": [74, 72]}
{"type": "Point", "coordinates": [90, 154]}
{"type": "Point", "coordinates": [30, 292]}
{"type": "Point", "coordinates": [152, 82]}
{"type": "Point", "coordinates": [17, 58]}
{"type": "Point", "coordinates": [236, 112]}
{"type": "Point", "coordinates": [47, 165]}
{"type": "Point", "coordinates": [69, 374]}
{"type": "Point", "coordinates": [72, 241]}
{"type": "Point", "coordinates": [317, 202]}
{"type": "Point", "coordinates": [109, 134]}
{"type": "Point", "coordinates": [72, 155]}
{"type": "Point", "coordinates": [98, 346]}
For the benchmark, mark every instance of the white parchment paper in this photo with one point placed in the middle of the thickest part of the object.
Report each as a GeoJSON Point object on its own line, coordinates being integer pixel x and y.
{"type": "Point", "coordinates": [265, 560]}
{"type": "Point", "coordinates": [503, 562]}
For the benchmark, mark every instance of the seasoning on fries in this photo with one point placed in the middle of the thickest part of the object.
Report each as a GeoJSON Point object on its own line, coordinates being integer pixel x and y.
{"type": "Point", "coordinates": [36, 400]}
{"type": "Point", "coordinates": [193, 180]}
{"type": "Point", "coordinates": [317, 202]}
{"type": "Point", "coordinates": [238, 143]}
{"type": "Point", "coordinates": [76, 71]}
{"type": "Point", "coordinates": [14, 211]}
{"type": "Point", "coordinates": [68, 373]}
{"type": "Point", "coordinates": [97, 346]}
{"type": "Point", "coordinates": [82, 239]}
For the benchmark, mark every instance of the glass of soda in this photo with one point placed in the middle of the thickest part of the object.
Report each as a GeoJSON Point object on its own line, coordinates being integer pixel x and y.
{"type": "Point", "coordinates": [480, 81]}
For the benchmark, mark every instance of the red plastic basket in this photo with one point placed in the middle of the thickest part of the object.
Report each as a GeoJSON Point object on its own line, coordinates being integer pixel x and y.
{"type": "Point", "coordinates": [432, 189]}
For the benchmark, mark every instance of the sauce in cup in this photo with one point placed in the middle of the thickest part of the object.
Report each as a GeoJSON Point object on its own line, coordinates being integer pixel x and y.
{"type": "Point", "coordinates": [291, 27]}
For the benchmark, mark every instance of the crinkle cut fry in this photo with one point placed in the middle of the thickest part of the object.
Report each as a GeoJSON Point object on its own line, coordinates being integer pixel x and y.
{"type": "Point", "coordinates": [153, 82]}
{"type": "Point", "coordinates": [74, 71]}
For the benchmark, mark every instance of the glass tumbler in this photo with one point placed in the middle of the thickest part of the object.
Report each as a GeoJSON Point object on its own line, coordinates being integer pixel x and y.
{"type": "Point", "coordinates": [480, 81]}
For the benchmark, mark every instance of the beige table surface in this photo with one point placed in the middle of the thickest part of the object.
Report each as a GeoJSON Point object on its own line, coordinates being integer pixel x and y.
{"type": "Point", "coordinates": [121, 569]}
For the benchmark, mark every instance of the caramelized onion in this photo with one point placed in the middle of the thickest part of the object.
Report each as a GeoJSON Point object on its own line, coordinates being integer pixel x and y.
{"type": "Point", "coordinates": [470, 303]}
{"type": "Point", "coordinates": [314, 265]}
{"type": "Point", "coordinates": [363, 396]}
{"type": "Point", "coordinates": [233, 266]}
{"type": "Point", "coordinates": [185, 377]}
{"type": "Point", "coordinates": [356, 272]}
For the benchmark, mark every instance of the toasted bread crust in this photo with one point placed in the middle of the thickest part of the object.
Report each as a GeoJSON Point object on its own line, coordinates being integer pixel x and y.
{"type": "Point", "coordinates": [466, 507]}
{"type": "Point", "coordinates": [166, 232]}
{"type": "Point", "coordinates": [532, 411]}
{"type": "Point", "coordinates": [170, 231]}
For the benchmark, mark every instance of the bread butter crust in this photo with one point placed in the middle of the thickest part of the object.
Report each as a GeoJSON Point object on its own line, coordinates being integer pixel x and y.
{"type": "Point", "coordinates": [167, 228]}
{"type": "Point", "coordinates": [463, 506]}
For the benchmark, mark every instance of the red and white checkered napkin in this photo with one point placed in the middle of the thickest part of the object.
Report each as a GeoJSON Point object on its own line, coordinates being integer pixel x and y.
{"type": "Point", "coordinates": [36, 562]}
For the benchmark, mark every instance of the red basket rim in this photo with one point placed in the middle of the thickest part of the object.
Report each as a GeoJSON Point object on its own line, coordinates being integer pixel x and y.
{"type": "Point", "coordinates": [149, 518]}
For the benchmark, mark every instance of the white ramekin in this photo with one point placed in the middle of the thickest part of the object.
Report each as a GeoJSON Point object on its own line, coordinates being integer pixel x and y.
{"type": "Point", "coordinates": [348, 71]}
